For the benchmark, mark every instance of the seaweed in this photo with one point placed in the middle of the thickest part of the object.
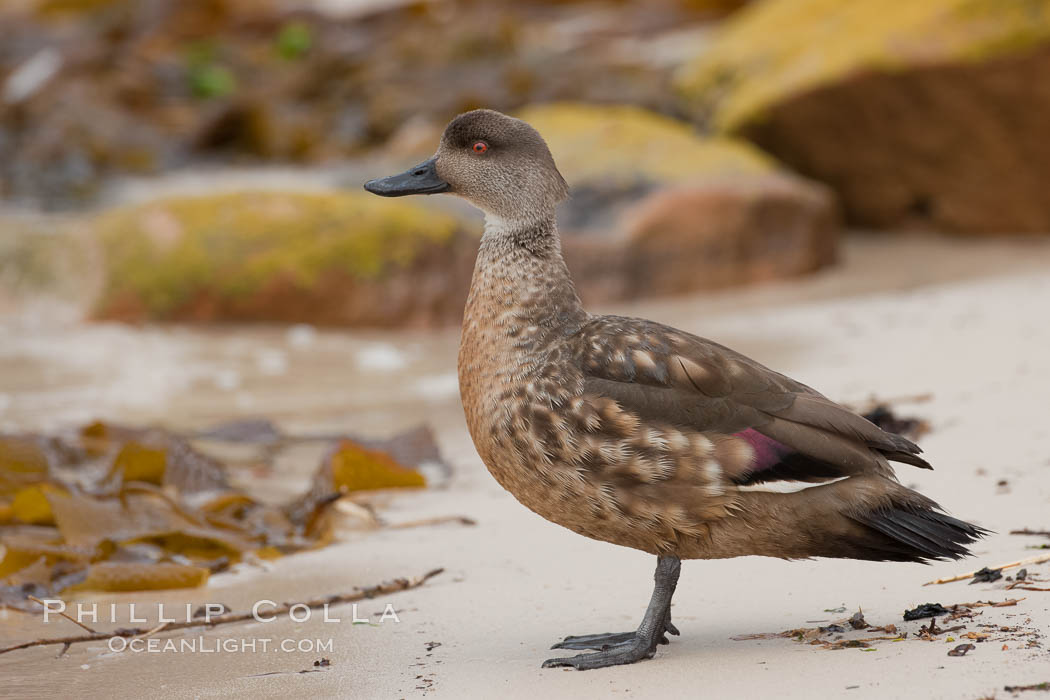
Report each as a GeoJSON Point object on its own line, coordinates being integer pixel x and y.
{"type": "Point", "coordinates": [925, 610]}
{"type": "Point", "coordinates": [120, 508]}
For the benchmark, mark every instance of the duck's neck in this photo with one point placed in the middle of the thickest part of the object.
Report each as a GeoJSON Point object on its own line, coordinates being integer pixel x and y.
{"type": "Point", "coordinates": [521, 286]}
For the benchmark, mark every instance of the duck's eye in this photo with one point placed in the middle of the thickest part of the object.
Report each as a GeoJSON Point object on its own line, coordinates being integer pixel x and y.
{"type": "Point", "coordinates": [480, 147]}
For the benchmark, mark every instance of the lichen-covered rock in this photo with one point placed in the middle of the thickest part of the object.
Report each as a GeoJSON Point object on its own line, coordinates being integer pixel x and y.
{"type": "Point", "coordinates": [355, 259]}
{"type": "Point", "coordinates": [710, 233]}
{"type": "Point", "coordinates": [325, 258]}
{"type": "Point", "coordinates": [736, 230]}
{"type": "Point", "coordinates": [624, 143]}
{"type": "Point", "coordinates": [658, 209]}
{"type": "Point", "coordinates": [927, 112]}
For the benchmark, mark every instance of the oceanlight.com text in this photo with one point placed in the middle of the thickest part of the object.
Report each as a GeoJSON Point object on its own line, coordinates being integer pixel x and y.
{"type": "Point", "coordinates": [203, 645]}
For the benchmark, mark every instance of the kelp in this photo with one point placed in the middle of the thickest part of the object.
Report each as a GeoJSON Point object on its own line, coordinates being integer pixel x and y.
{"type": "Point", "coordinates": [349, 467]}
{"type": "Point", "coordinates": [30, 505]}
{"type": "Point", "coordinates": [118, 508]}
{"type": "Point", "coordinates": [118, 576]}
{"type": "Point", "coordinates": [23, 462]}
{"type": "Point", "coordinates": [357, 468]}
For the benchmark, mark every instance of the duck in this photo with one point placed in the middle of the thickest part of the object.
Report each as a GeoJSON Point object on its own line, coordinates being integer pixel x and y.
{"type": "Point", "coordinates": [638, 434]}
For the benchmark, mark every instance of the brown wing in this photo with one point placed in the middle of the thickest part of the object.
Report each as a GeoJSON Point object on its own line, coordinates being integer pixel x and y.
{"type": "Point", "coordinates": [671, 377]}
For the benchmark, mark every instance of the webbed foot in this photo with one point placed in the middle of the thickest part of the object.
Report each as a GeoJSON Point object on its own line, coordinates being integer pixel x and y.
{"type": "Point", "coordinates": [607, 640]}
{"type": "Point", "coordinates": [614, 649]}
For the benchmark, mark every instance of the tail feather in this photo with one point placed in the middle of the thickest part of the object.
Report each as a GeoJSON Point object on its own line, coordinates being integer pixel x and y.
{"type": "Point", "coordinates": [907, 458]}
{"type": "Point", "coordinates": [925, 533]}
{"type": "Point", "coordinates": [860, 517]}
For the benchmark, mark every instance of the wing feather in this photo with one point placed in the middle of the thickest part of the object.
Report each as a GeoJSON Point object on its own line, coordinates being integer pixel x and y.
{"type": "Point", "coordinates": [679, 379]}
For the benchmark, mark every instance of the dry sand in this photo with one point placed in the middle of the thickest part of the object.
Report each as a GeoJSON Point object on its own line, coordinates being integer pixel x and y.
{"type": "Point", "coordinates": [976, 339]}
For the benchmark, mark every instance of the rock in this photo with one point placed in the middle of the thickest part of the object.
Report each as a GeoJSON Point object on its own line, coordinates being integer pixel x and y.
{"type": "Point", "coordinates": [614, 155]}
{"type": "Point", "coordinates": [626, 144]}
{"type": "Point", "coordinates": [708, 234]}
{"type": "Point", "coordinates": [930, 113]}
{"type": "Point", "coordinates": [320, 258]}
{"type": "Point", "coordinates": [657, 209]}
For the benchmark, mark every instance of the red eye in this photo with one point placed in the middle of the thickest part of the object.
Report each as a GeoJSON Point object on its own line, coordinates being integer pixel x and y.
{"type": "Point", "coordinates": [481, 147]}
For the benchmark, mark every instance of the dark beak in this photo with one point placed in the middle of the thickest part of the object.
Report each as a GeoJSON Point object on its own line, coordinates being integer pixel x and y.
{"type": "Point", "coordinates": [422, 179]}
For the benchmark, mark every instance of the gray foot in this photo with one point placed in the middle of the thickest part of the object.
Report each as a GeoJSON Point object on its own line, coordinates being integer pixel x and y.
{"type": "Point", "coordinates": [628, 652]}
{"type": "Point", "coordinates": [608, 640]}
{"type": "Point", "coordinates": [614, 649]}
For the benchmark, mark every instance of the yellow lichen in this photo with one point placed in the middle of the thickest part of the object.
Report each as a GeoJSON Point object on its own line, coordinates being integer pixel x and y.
{"type": "Point", "coordinates": [773, 49]}
{"type": "Point", "coordinates": [166, 253]}
{"type": "Point", "coordinates": [622, 142]}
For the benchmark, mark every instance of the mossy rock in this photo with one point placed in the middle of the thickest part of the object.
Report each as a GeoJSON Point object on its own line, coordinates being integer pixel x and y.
{"type": "Point", "coordinates": [328, 258]}
{"type": "Point", "coordinates": [774, 49]}
{"type": "Point", "coordinates": [919, 114]}
{"type": "Point", "coordinates": [625, 143]}
{"type": "Point", "coordinates": [659, 209]}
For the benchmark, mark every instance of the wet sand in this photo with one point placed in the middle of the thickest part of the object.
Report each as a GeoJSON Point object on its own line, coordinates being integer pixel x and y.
{"type": "Point", "coordinates": [963, 321]}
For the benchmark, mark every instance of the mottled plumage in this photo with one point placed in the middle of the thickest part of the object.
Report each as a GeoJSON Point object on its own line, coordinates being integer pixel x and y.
{"type": "Point", "coordinates": [635, 433]}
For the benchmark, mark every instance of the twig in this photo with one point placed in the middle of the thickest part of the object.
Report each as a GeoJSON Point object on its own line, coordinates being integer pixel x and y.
{"type": "Point", "coordinates": [153, 631]}
{"type": "Point", "coordinates": [75, 621]}
{"type": "Point", "coordinates": [961, 577]}
{"type": "Point", "coordinates": [933, 630]}
{"type": "Point", "coordinates": [440, 520]}
{"type": "Point", "coordinates": [1019, 688]}
{"type": "Point", "coordinates": [990, 604]}
{"type": "Point", "coordinates": [842, 643]}
{"type": "Point", "coordinates": [1026, 531]}
{"type": "Point", "coordinates": [399, 584]}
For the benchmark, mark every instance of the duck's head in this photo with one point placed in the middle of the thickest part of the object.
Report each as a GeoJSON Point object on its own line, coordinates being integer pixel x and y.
{"type": "Point", "coordinates": [498, 163]}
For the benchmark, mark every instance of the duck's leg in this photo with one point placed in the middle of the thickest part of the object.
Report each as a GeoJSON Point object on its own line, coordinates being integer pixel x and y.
{"type": "Point", "coordinates": [628, 647]}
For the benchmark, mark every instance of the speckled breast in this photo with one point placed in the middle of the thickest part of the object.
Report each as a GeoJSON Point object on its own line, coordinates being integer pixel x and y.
{"type": "Point", "coordinates": [578, 459]}
{"type": "Point", "coordinates": [583, 462]}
